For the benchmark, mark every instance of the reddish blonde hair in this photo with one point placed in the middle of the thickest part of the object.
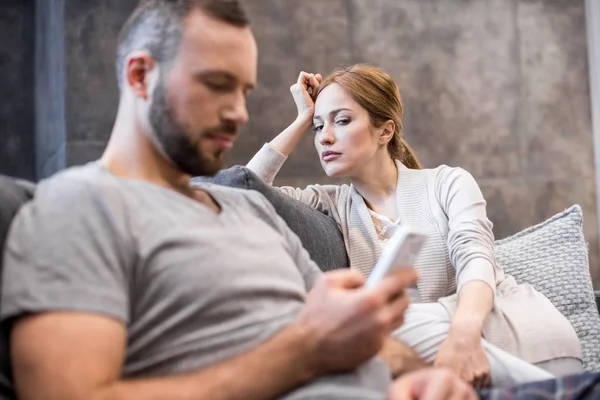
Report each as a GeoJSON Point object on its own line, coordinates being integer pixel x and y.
{"type": "Point", "coordinates": [375, 91]}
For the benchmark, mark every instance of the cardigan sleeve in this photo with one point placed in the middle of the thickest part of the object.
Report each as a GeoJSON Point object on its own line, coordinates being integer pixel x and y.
{"type": "Point", "coordinates": [267, 163]}
{"type": "Point", "coordinates": [470, 237]}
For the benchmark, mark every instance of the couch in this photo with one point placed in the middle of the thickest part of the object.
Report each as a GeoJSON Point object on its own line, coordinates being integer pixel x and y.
{"type": "Point", "coordinates": [13, 194]}
{"type": "Point", "coordinates": [551, 256]}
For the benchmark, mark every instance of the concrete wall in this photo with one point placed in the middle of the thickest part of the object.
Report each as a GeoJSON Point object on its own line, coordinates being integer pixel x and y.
{"type": "Point", "coordinates": [498, 87]}
{"type": "Point", "coordinates": [91, 30]}
{"type": "Point", "coordinates": [17, 153]}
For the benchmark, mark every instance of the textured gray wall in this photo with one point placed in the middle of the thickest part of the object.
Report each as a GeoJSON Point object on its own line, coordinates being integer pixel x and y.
{"type": "Point", "coordinates": [92, 27]}
{"type": "Point", "coordinates": [16, 88]}
{"type": "Point", "coordinates": [50, 129]}
{"type": "Point", "coordinates": [499, 87]}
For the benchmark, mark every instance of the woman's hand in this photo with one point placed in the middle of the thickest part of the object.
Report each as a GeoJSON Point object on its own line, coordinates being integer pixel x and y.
{"type": "Point", "coordinates": [303, 92]}
{"type": "Point", "coordinates": [462, 352]}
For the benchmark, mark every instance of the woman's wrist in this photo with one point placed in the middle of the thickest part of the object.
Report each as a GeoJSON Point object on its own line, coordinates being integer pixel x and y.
{"type": "Point", "coordinates": [287, 140]}
{"type": "Point", "coordinates": [303, 121]}
{"type": "Point", "coordinates": [466, 325]}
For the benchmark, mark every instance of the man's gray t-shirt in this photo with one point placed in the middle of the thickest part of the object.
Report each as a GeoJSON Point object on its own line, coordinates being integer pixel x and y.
{"type": "Point", "coordinates": [193, 287]}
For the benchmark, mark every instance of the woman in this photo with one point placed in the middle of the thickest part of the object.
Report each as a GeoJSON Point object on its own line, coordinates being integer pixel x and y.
{"type": "Point", "coordinates": [462, 293]}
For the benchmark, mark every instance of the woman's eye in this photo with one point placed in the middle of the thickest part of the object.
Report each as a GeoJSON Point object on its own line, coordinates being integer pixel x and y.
{"type": "Point", "coordinates": [343, 121]}
{"type": "Point", "coordinates": [318, 128]}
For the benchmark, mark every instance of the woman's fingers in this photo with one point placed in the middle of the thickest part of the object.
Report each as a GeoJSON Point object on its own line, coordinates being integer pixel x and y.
{"type": "Point", "coordinates": [308, 81]}
{"type": "Point", "coordinates": [477, 381]}
{"type": "Point", "coordinates": [478, 378]}
{"type": "Point", "coordinates": [314, 82]}
{"type": "Point", "coordinates": [482, 380]}
{"type": "Point", "coordinates": [302, 78]}
{"type": "Point", "coordinates": [488, 380]}
{"type": "Point", "coordinates": [302, 84]}
{"type": "Point", "coordinates": [482, 371]}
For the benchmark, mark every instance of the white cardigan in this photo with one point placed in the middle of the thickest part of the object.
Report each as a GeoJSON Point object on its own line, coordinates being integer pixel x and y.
{"type": "Point", "coordinates": [449, 205]}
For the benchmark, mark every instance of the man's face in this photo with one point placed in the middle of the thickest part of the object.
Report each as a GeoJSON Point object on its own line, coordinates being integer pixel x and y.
{"type": "Point", "coordinates": [198, 107]}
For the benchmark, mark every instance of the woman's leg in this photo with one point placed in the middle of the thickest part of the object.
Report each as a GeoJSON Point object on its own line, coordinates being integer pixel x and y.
{"type": "Point", "coordinates": [426, 326]}
{"type": "Point", "coordinates": [562, 366]}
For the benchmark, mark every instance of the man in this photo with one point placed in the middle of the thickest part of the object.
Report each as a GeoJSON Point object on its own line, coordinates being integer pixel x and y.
{"type": "Point", "coordinates": [124, 282]}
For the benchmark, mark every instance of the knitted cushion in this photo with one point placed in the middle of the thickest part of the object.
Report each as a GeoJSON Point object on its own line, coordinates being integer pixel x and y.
{"type": "Point", "coordinates": [553, 258]}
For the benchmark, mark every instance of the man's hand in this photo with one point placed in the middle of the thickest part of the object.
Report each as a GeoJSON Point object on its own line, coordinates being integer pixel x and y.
{"type": "Point", "coordinates": [400, 357]}
{"type": "Point", "coordinates": [347, 322]}
{"type": "Point", "coordinates": [431, 384]}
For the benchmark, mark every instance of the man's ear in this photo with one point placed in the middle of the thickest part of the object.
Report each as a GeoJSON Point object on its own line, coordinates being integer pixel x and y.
{"type": "Point", "coordinates": [139, 70]}
{"type": "Point", "coordinates": [387, 131]}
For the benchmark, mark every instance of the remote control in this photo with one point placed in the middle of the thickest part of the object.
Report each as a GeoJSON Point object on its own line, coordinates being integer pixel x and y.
{"type": "Point", "coordinates": [401, 251]}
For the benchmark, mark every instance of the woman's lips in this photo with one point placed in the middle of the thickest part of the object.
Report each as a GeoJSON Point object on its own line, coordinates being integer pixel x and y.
{"type": "Point", "coordinates": [328, 155]}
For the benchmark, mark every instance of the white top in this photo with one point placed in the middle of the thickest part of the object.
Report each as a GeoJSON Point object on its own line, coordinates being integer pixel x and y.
{"type": "Point", "coordinates": [384, 227]}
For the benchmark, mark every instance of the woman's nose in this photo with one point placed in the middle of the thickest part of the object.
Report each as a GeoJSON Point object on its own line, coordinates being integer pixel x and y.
{"type": "Point", "coordinates": [327, 137]}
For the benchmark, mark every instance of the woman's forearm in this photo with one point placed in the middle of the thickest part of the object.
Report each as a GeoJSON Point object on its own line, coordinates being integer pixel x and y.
{"type": "Point", "coordinates": [475, 301]}
{"type": "Point", "coordinates": [287, 140]}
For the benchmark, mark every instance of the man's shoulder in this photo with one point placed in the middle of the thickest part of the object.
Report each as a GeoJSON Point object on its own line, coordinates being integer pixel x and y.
{"type": "Point", "coordinates": [75, 204]}
{"type": "Point", "coordinates": [80, 181]}
{"type": "Point", "coordinates": [87, 175]}
{"type": "Point", "coordinates": [77, 192]}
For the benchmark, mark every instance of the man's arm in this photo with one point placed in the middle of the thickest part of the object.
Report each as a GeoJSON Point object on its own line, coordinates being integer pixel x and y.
{"type": "Point", "coordinates": [73, 356]}
{"type": "Point", "coordinates": [79, 356]}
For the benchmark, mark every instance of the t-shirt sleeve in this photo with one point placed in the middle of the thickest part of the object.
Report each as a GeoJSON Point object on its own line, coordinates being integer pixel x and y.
{"type": "Point", "coordinates": [68, 250]}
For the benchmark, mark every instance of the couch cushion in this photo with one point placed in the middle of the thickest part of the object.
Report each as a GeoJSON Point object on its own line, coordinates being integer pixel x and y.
{"type": "Point", "coordinates": [553, 258]}
{"type": "Point", "coordinates": [318, 232]}
{"type": "Point", "coordinates": [13, 194]}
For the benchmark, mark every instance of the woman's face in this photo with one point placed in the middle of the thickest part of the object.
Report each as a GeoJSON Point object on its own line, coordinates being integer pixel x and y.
{"type": "Point", "coordinates": [344, 137]}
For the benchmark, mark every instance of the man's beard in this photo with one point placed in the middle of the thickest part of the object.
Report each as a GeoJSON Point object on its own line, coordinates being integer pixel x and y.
{"type": "Point", "coordinates": [175, 140]}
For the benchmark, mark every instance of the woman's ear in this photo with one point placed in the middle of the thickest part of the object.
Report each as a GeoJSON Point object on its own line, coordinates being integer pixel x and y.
{"type": "Point", "coordinates": [387, 131]}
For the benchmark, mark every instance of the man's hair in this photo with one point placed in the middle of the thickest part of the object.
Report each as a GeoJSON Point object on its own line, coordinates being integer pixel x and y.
{"type": "Point", "coordinates": [156, 26]}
